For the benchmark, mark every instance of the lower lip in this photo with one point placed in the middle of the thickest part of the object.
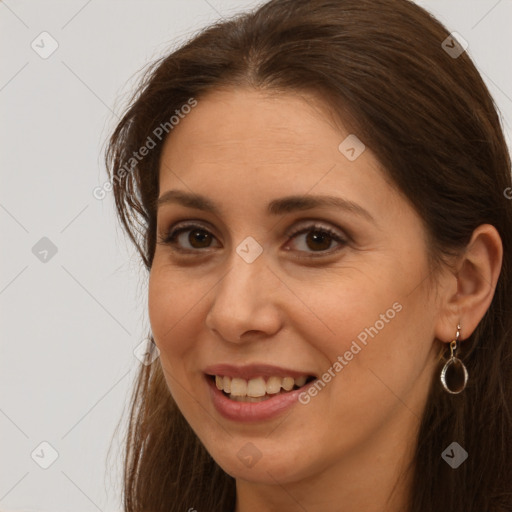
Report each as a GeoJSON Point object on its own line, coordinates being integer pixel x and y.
{"type": "Point", "coordinates": [247, 412]}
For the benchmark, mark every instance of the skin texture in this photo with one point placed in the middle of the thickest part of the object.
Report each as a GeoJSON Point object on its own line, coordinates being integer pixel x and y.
{"type": "Point", "coordinates": [243, 148]}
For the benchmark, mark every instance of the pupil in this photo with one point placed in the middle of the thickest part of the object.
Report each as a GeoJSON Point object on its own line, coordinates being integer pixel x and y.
{"type": "Point", "coordinates": [198, 237]}
{"type": "Point", "coordinates": [316, 237]}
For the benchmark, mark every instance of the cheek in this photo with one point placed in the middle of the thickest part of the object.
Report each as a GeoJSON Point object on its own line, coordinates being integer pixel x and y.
{"type": "Point", "coordinates": [354, 309]}
{"type": "Point", "coordinates": [379, 320]}
{"type": "Point", "coordinates": [171, 304]}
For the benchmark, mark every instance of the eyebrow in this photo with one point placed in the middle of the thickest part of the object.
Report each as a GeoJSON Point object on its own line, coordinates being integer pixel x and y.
{"type": "Point", "coordinates": [275, 207]}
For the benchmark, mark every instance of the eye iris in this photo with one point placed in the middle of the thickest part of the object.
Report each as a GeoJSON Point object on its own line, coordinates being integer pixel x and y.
{"type": "Point", "coordinates": [198, 237]}
{"type": "Point", "coordinates": [317, 237]}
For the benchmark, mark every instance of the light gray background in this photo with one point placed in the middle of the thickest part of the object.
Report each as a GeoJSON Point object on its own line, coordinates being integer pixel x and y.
{"type": "Point", "coordinates": [70, 324]}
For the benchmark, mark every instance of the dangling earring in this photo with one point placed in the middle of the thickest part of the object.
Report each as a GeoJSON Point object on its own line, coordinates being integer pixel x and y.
{"type": "Point", "coordinates": [454, 375]}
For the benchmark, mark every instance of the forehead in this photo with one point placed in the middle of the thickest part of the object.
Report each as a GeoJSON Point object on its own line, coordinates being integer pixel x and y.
{"type": "Point", "coordinates": [247, 146]}
{"type": "Point", "coordinates": [243, 122]}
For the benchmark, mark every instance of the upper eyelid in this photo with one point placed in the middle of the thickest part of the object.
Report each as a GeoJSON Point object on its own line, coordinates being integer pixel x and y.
{"type": "Point", "coordinates": [312, 224]}
{"type": "Point", "coordinates": [298, 227]}
{"type": "Point", "coordinates": [190, 224]}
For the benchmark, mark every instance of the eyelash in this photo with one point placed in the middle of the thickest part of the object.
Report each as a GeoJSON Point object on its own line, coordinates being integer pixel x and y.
{"type": "Point", "coordinates": [170, 238]}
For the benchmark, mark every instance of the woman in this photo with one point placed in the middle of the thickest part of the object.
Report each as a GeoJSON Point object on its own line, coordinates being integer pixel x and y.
{"type": "Point", "coordinates": [318, 190]}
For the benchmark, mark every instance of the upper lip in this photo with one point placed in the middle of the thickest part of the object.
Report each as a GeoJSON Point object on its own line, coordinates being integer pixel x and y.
{"type": "Point", "coordinates": [251, 371]}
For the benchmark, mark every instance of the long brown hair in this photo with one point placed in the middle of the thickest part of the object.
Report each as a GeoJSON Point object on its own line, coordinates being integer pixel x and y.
{"type": "Point", "coordinates": [430, 120]}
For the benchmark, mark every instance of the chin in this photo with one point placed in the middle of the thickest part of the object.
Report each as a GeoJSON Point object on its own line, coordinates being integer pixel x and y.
{"type": "Point", "coordinates": [261, 460]}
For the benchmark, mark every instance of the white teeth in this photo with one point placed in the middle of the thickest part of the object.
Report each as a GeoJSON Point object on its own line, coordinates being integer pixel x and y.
{"type": "Point", "coordinates": [256, 388]}
{"type": "Point", "coordinates": [274, 385]}
{"type": "Point", "coordinates": [248, 398]}
{"type": "Point", "coordinates": [226, 384]}
{"type": "Point", "coordinates": [300, 381]}
{"type": "Point", "coordinates": [288, 383]}
{"type": "Point", "coordinates": [238, 387]}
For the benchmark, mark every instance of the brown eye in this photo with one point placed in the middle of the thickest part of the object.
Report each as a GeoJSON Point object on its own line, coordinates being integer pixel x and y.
{"type": "Point", "coordinates": [317, 239]}
{"type": "Point", "coordinates": [189, 238]}
{"type": "Point", "coordinates": [199, 238]}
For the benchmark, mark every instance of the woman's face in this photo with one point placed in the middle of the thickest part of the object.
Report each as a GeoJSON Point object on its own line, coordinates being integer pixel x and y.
{"type": "Point", "coordinates": [268, 280]}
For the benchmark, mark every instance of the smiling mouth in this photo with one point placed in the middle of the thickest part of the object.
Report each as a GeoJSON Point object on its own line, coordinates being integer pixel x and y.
{"type": "Point", "coordinates": [258, 389]}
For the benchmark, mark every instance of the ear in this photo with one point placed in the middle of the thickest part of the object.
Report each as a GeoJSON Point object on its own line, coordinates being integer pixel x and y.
{"type": "Point", "coordinates": [468, 293]}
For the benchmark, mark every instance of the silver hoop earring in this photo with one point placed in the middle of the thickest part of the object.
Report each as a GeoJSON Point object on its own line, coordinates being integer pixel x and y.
{"type": "Point", "coordinates": [454, 375]}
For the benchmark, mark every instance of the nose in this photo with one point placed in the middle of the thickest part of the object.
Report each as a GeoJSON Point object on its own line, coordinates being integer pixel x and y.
{"type": "Point", "coordinates": [245, 304]}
